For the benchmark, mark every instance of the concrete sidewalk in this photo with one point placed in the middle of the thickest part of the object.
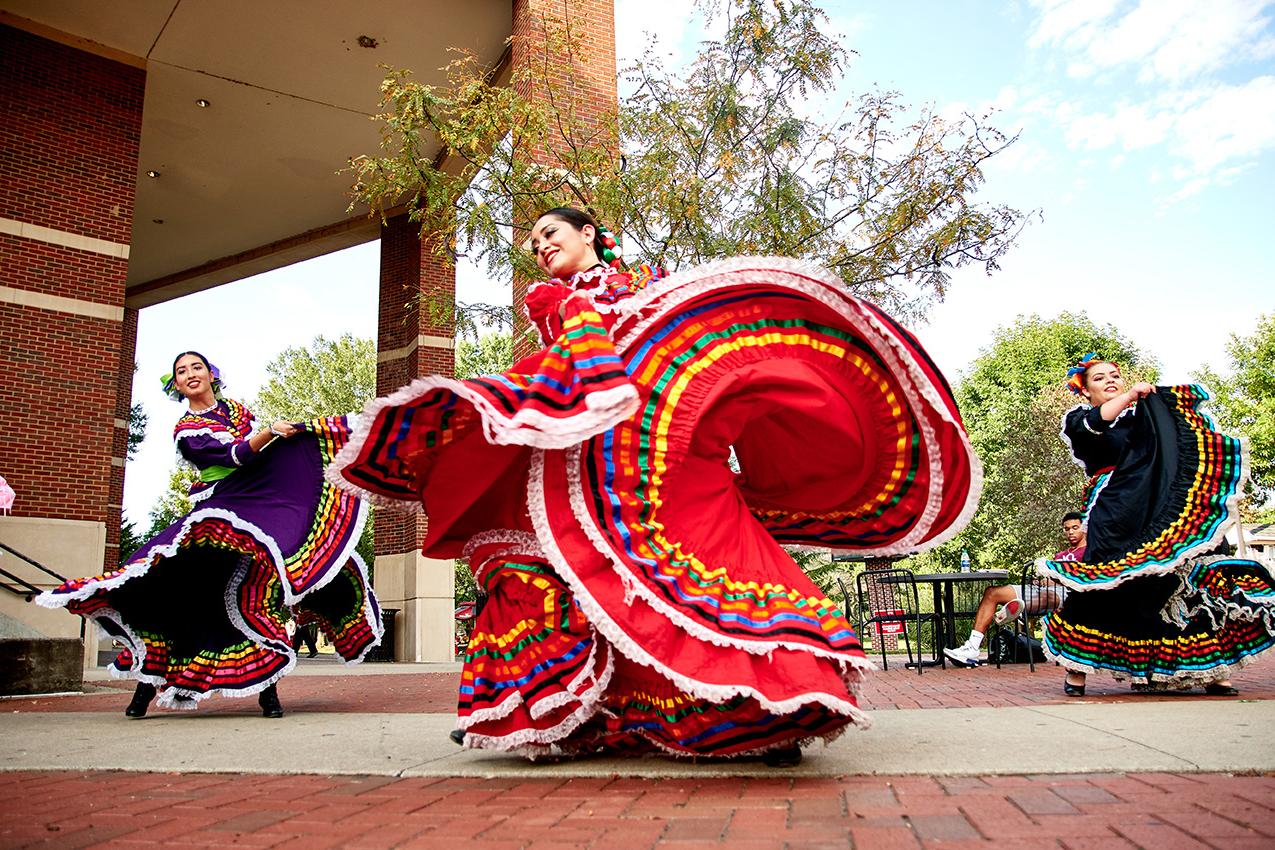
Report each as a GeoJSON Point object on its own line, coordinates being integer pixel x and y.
{"type": "Point", "coordinates": [1122, 733]}
{"type": "Point", "coordinates": [1183, 737]}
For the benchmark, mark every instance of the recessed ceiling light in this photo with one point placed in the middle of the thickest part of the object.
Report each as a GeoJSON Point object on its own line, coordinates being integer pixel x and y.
{"type": "Point", "coordinates": [152, 174]}
{"type": "Point", "coordinates": [203, 104]}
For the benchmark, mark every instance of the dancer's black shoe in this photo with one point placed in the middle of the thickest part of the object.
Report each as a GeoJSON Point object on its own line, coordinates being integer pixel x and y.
{"type": "Point", "coordinates": [141, 701]}
{"type": "Point", "coordinates": [269, 702]}
{"type": "Point", "coordinates": [1215, 689]}
{"type": "Point", "coordinates": [457, 736]}
{"type": "Point", "coordinates": [782, 757]}
{"type": "Point", "coordinates": [1073, 690]}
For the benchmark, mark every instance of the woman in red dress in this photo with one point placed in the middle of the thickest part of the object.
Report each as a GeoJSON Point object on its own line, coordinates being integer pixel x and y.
{"type": "Point", "coordinates": [623, 494]}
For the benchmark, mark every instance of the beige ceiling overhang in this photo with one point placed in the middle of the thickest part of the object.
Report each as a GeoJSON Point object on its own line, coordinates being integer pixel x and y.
{"type": "Point", "coordinates": [251, 181]}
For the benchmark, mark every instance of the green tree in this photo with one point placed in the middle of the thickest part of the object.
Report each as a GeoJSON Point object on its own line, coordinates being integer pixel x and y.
{"type": "Point", "coordinates": [136, 425]}
{"type": "Point", "coordinates": [1012, 400]}
{"type": "Point", "coordinates": [137, 420]}
{"type": "Point", "coordinates": [129, 536]}
{"type": "Point", "coordinates": [822, 570]}
{"type": "Point", "coordinates": [490, 353]}
{"type": "Point", "coordinates": [466, 589]}
{"type": "Point", "coordinates": [1244, 403]}
{"type": "Point", "coordinates": [727, 157]}
{"type": "Point", "coordinates": [130, 539]}
{"type": "Point", "coordinates": [175, 501]}
{"type": "Point", "coordinates": [328, 378]}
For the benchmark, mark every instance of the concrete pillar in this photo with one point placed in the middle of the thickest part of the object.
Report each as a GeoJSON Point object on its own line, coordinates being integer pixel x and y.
{"type": "Point", "coordinates": [70, 127]}
{"type": "Point", "coordinates": [415, 337]}
{"type": "Point", "coordinates": [423, 590]}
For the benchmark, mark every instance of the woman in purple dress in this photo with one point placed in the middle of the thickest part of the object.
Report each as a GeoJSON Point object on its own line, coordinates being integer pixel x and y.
{"type": "Point", "coordinates": [202, 607]}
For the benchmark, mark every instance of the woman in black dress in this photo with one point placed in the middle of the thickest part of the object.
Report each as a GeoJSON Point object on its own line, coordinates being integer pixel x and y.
{"type": "Point", "coordinates": [1155, 604]}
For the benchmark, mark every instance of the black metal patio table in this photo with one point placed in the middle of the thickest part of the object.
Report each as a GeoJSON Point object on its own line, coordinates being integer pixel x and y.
{"type": "Point", "coordinates": [944, 596]}
{"type": "Point", "coordinates": [943, 586]}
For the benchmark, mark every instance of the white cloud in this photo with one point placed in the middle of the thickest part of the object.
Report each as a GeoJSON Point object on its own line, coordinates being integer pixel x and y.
{"type": "Point", "coordinates": [1183, 113]}
{"type": "Point", "coordinates": [1130, 126]}
{"type": "Point", "coordinates": [1171, 40]}
{"type": "Point", "coordinates": [1212, 132]}
{"type": "Point", "coordinates": [1231, 123]}
{"type": "Point", "coordinates": [1188, 189]}
{"type": "Point", "coordinates": [1069, 21]}
{"type": "Point", "coordinates": [1024, 156]}
{"type": "Point", "coordinates": [1007, 98]}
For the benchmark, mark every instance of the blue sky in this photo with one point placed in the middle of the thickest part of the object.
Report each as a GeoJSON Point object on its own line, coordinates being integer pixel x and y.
{"type": "Point", "coordinates": [1146, 141]}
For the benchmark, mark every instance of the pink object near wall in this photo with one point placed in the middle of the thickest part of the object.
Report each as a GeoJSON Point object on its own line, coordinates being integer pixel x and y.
{"type": "Point", "coordinates": [6, 496]}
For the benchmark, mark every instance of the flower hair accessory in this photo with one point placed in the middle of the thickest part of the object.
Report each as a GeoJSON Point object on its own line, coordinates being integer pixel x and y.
{"type": "Point", "coordinates": [1076, 374]}
{"type": "Point", "coordinates": [610, 253]}
{"type": "Point", "coordinates": [170, 383]}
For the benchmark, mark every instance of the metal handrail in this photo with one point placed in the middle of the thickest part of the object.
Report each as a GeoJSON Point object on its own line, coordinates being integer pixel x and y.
{"type": "Point", "coordinates": [41, 567]}
{"type": "Point", "coordinates": [29, 590]}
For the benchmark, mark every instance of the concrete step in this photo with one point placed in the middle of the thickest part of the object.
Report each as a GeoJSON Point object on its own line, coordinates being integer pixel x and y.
{"type": "Point", "coordinates": [41, 665]}
{"type": "Point", "coordinates": [12, 628]}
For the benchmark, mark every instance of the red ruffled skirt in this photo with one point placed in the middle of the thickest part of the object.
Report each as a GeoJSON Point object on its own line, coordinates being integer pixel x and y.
{"type": "Point", "coordinates": [622, 499]}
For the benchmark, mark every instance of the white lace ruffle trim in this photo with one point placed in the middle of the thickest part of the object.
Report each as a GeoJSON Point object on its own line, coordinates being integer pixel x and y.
{"type": "Point", "coordinates": [603, 409]}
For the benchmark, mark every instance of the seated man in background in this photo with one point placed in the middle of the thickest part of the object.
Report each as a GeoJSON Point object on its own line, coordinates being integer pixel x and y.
{"type": "Point", "coordinates": [1006, 596]}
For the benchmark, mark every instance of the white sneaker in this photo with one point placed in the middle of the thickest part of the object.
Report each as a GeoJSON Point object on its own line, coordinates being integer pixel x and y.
{"type": "Point", "coordinates": [964, 656]}
{"type": "Point", "coordinates": [1008, 612]}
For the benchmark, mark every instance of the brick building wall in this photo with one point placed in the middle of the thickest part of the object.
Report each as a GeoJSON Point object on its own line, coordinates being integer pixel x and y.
{"type": "Point", "coordinates": [585, 83]}
{"type": "Point", "coordinates": [70, 137]}
{"type": "Point", "coordinates": [412, 341]}
{"type": "Point", "coordinates": [70, 127]}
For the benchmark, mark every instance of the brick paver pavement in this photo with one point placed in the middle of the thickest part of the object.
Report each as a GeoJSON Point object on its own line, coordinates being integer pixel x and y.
{"type": "Point", "coordinates": [139, 810]}
{"type": "Point", "coordinates": [147, 810]}
{"type": "Point", "coordinates": [983, 687]}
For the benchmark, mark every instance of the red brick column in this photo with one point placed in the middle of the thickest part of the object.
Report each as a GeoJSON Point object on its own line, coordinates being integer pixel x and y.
{"type": "Point", "coordinates": [583, 83]}
{"type": "Point", "coordinates": [410, 342]}
{"type": "Point", "coordinates": [415, 337]}
{"type": "Point", "coordinates": [70, 127]}
{"type": "Point", "coordinates": [119, 439]}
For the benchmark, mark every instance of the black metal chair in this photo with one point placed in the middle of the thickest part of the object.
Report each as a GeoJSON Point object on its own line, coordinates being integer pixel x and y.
{"type": "Point", "coordinates": [884, 597]}
{"type": "Point", "coordinates": [1040, 596]}
{"type": "Point", "coordinates": [850, 606]}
